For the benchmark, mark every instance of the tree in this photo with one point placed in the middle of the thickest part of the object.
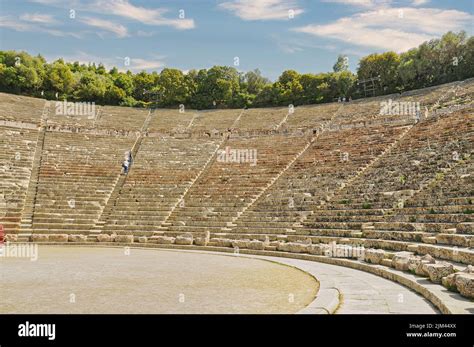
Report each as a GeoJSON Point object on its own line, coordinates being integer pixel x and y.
{"type": "Point", "coordinates": [20, 72]}
{"type": "Point", "coordinates": [465, 66]}
{"type": "Point", "coordinates": [408, 69]}
{"type": "Point", "coordinates": [114, 95]}
{"type": "Point", "coordinates": [342, 63]}
{"type": "Point", "coordinates": [341, 84]}
{"type": "Point", "coordinates": [216, 87]}
{"type": "Point", "coordinates": [124, 81]}
{"type": "Point", "coordinates": [191, 82]}
{"type": "Point", "coordinates": [450, 53]}
{"type": "Point", "coordinates": [172, 87]}
{"type": "Point", "coordinates": [384, 65]}
{"type": "Point", "coordinates": [316, 88]}
{"type": "Point", "coordinates": [91, 87]}
{"type": "Point", "coordinates": [60, 78]}
{"type": "Point", "coordinates": [144, 83]}
{"type": "Point", "coordinates": [269, 95]}
{"type": "Point", "coordinates": [290, 88]}
{"type": "Point", "coordinates": [254, 82]}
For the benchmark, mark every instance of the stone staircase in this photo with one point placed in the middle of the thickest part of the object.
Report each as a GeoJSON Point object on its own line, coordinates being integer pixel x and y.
{"type": "Point", "coordinates": [283, 121]}
{"type": "Point", "coordinates": [274, 179]}
{"type": "Point", "coordinates": [180, 202]}
{"type": "Point", "coordinates": [164, 225]}
{"type": "Point", "coordinates": [367, 167]}
{"type": "Point", "coordinates": [322, 127]}
{"type": "Point", "coordinates": [459, 162]}
{"type": "Point", "coordinates": [119, 182]}
{"type": "Point", "coordinates": [26, 225]}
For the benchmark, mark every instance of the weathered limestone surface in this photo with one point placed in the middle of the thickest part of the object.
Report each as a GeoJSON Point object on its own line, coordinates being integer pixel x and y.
{"type": "Point", "coordinates": [415, 264]}
{"type": "Point", "coordinates": [220, 242]}
{"type": "Point", "coordinates": [39, 238]}
{"type": "Point", "coordinates": [185, 239]}
{"type": "Point", "coordinates": [461, 281]}
{"type": "Point", "coordinates": [437, 271]}
{"type": "Point", "coordinates": [124, 238]}
{"type": "Point", "coordinates": [165, 240]}
{"type": "Point", "coordinates": [202, 240]}
{"type": "Point", "coordinates": [104, 238]}
{"type": "Point", "coordinates": [241, 243]}
{"type": "Point", "coordinates": [58, 237]}
{"type": "Point", "coordinates": [11, 237]}
{"type": "Point", "coordinates": [374, 256]}
{"type": "Point", "coordinates": [257, 245]}
{"type": "Point", "coordinates": [465, 284]}
{"type": "Point", "coordinates": [400, 260]}
{"type": "Point", "coordinates": [77, 238]}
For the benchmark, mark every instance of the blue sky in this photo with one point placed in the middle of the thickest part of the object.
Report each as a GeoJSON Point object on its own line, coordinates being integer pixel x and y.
{"type": "Point", "coordinates": [272, 35]}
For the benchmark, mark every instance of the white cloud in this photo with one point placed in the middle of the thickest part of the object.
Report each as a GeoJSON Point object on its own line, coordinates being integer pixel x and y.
{"type": "Point", "coordinates": [374, 3]}
{"type": "Point", "coordinates": [360, 3]}
{"type": "Point", "coordinates": [144, 15]}
{"type": "Point", "coordinates": [107, 25]}
{"type": "Point", "coordinates": [289, 49]}
{"type": "Point", "coordinates": [138, 64]}
{"type": "Point", "coordinates": [38, 18]}
{"type": "Point", "coordinates": [46, 2]}
{"type": "Point", "coordinates": [16, 24]}
{"type": "Point", "coordinates": [262, 9]}
{"type": "Point", "coordinates": [420, 2]}
{"type": "Point", "coordinates": [397, 29]}
{"type": "Point", "coordinates": [294, 45]}
{"type": "Point", "coordinates": [11, 23]}
{"type": "Point", "coordinates": [124, 9]}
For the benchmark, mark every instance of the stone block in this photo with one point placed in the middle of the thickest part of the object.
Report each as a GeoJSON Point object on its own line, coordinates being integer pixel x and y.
{"type": "Point", "coordinates": [374, 256]}
{"type": "Point", "coordinates": [104, 238]}
{"type": "Point", "coordinates": [257, 245]}
{"type": "Point", "coordinates": [437, 271]}
{"type": "Point", "coordinates": [185, 239]}
{"type": "Point", "coordinates": [162, 240]}
{"type": "Point", "coordinates": [39, 238]}
{"type": "Point", "coordinates": [465, 284]}
{"type": "Point", "coordinates": [77, 238]}
{"type": "Point", "coordinates": [58, 237]}
{"type": "Point", "coordinates": [241, 244]}
{"type": "Point", "coordinates": [124, 238]}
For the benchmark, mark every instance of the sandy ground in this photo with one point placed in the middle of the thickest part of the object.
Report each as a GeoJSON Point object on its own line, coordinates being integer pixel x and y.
{"type": "Point", "coordinates": [112, 280]}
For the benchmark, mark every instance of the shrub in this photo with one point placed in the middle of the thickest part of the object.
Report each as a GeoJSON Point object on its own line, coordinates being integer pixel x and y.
{"type": "Point", "coordinates": [366, 206]}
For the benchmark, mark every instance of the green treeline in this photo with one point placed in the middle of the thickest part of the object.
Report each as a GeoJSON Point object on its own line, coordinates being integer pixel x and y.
{"type": "Point", "coordinates": [435, 62]}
